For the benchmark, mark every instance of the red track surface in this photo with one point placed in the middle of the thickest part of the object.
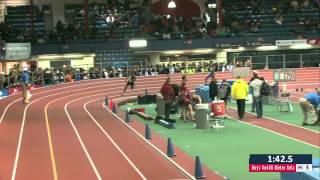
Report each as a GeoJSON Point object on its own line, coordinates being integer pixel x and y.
{"type": "Point", "coordinates": [128, 157]}
{"type": "Point", "coordinates": [25, 148]}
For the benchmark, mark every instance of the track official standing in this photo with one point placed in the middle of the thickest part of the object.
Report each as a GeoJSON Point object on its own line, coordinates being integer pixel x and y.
{"type": "Point", "coordinates": [168, 94]}
{"type": "Point", "coordinates": [239, 92]}
{"type": "Point", "coordinates": [256, 84]}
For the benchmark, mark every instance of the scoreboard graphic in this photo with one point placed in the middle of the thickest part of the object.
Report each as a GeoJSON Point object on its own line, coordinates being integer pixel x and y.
{"type": "Point", "coordinates": [284, 75]}
{"type": "Point", "coordinates": [280, 163]}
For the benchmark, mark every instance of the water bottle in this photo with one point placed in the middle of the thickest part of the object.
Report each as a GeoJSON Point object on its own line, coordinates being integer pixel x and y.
{"type": "Point", "coordinates": [222, 123]}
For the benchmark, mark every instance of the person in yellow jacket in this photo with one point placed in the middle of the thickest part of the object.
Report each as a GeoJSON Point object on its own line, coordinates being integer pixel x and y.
{"type": "Point", "coordinates": [239, 92]}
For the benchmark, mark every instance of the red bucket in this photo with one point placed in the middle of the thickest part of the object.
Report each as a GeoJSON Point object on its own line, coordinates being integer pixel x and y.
{"type": "Point", "coordinates": [218, 108]}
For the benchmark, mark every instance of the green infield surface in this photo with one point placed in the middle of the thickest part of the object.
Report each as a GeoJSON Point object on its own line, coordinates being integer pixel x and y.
{"type": "Point", "coordinates": [271, 111]}
{"type": "Point", "coordinates": [228, 150]}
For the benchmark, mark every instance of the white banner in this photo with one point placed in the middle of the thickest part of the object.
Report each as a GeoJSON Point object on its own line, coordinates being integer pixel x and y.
{"type": "Point", "coordinates": [18, 51]}
{"type": "Point", "coordinates": [241, 71]}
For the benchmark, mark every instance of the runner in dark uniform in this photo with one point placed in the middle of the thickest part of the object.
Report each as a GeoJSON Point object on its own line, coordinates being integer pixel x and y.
{"type": "Point", "coordinates": [130, 81]}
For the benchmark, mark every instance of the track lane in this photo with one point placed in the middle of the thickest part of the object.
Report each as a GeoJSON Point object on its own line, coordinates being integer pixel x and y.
{"type": "Point", "coordinates": [63, 93]}
{"type": "Point", "coordinates": [182, 159]}
{"type": "Point", "coordinates": [137, 84]}
{"type": "Point", "coordinates": [144, 157]}
{"type": "Point", "coordinates": [6, 103]}
{"type": "Point", "coordinates": [302, 135]}
{"type": "Point", "coordinates": [108, 157]}
{"type": "Point", "coordinates": [119, 91]}
{"type": "Point", "coordinates": [14, 135]}
{"type": "Point", "coordinates": [33, 148]}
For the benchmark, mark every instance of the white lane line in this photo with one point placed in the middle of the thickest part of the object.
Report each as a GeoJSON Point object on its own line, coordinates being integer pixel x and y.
{"type": "Point", "coordinates": [94, 83]}
{"type": "Point", "coordinates": [82, 144]}
{"type": "Point", "coordinates": [14, 170]}
{"type": "Point", "coordinates": [60, 84]}
{"type": "Point", "coordinates": [283, 122]}
{"type": "Point", "coordinates": [274, 132]}
{"type": "Point", "coordinates": [9, 105]}
{"type": "Point", "coordinates": [146, 141]}
{"type": "Point", "coordinates": [113, 142]}
{"type": "Point", "coordinates": [100, 81]}
{"type": "Point", "coordinates": [75, 129]}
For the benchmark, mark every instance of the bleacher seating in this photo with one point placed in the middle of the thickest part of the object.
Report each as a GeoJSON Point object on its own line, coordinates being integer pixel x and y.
{"type": "Point", "coordinates": [20, 20]}
{"type": "Point", "coordinates": [244, 10]}
{"type": "Point", "coordinates": [98, 24]}
{"type": "Point", "coordinates": [238, 19]}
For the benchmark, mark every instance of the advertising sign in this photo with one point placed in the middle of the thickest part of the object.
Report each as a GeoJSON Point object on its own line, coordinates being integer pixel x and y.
{"type": "Point", "coordinates": [18, 51]}
{"type": "Point", "coordinates": [284, 75]}
{"type": "Point", "coordinates": [241, 71]}
{"type": "Point", "coordinates": [2, 50]}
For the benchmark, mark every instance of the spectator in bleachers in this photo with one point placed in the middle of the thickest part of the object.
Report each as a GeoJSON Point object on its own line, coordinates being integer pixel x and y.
{"type": "Point", "coordinates": [68, 78]}
{"type": "Point", "coordinates": [306, 4]}
{"type": "Point", "coordinates": [294, 5]}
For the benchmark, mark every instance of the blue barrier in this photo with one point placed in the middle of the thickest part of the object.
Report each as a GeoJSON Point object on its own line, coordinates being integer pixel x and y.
{"type": "Point", "coordinates": [203, 92]}
{"type": "Point", "coordinates": [4, 93]}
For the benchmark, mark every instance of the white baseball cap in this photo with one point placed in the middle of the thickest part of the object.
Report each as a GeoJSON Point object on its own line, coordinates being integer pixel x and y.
{"type": "Point", "coordinates": [255, 71]}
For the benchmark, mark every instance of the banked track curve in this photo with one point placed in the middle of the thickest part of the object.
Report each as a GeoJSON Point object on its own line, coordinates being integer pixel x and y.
{"type": "Point", "coordinates": [69, 124]}
{"type": "Point", "coordinates": [33, 142]}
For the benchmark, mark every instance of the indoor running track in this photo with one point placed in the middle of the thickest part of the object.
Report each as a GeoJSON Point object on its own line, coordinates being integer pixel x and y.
{"type": "Point", "coordinates": [65, 133]}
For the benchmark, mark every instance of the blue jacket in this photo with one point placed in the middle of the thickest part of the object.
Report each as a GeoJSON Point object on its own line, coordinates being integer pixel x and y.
{"type": "Point", "coordinates": [313, 98]}
{"type": "Point", "coordinates": [25, 77]}
{"type": "Point", "coordinates": [211, 73]}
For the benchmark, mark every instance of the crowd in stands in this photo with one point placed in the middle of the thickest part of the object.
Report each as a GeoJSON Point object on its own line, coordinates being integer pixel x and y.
{"type": "Point", "coordinates": [134, 18]}
{"type": "Point", "coordinates": [58, 75]}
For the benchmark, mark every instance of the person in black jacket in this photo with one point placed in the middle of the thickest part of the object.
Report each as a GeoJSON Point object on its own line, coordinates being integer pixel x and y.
{"type": "Point", "coordinates": [213, 89]}
{"type": "Point", "coordinates": [224, 92]}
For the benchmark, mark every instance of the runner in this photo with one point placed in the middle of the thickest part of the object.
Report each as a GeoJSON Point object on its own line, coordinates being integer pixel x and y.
{"type": "Point", "coordinates": [130, 81]}
{"type": "Point", "coordinates": [24, 83]}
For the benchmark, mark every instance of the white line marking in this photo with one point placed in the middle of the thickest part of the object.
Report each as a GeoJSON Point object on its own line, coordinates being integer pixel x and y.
{"type": "Point", "coordinates": [9, 105]}
{"type": "Point", "coordinates": [14, 170]}
{"type": "Point", "coordinates": [271, 119]}
{"type": "Point", "coordinates": [94, 83]}
{"type": "Point", "coordinates": [164, 155]}
{"type": "Point", "coordinates": [274, 132]}
{"type": "Point", "coordinates": [23, 122]}
{"type": "Point", "coordinates": [113, 142]}
{"type": "Point", "coordinates": [77, 133]}
{"type": "Point", "coordinates": [82, 145]}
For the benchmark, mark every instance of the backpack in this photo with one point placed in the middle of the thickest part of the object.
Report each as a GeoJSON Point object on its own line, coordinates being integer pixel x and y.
{"type": "Point", "coordinates": [223, 90]}
{"type": "Point", "coordinates": [265, 89]}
